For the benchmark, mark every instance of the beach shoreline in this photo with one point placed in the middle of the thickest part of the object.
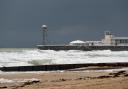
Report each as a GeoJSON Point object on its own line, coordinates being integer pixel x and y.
{"type": "Point", "coordinates": [80, 79]}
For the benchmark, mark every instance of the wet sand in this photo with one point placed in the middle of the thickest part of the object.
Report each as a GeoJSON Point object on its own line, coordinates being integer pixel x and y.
{"type": "Point", "coordinates": [73, 79]}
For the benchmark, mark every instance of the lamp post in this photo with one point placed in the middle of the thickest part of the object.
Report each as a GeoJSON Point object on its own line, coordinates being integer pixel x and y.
{"type": "Point", "coordinates": [44, 29]}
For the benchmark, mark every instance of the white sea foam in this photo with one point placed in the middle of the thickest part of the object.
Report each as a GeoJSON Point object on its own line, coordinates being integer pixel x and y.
{"type": "Point", "coordinates": [2, 80]}
{"type": "Point", "coordinates": [23, 57]}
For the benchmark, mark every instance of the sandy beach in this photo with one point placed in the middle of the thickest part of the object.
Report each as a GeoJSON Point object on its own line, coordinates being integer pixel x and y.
{"type": "Point", "coordinates": [89, 79]}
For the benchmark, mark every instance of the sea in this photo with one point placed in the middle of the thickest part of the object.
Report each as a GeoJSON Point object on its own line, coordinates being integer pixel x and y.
{"type": "Point", "coordinates": [34, 56]}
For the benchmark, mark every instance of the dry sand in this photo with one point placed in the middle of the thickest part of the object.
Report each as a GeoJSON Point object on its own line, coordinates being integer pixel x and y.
{"type": "Point", "coordinates": [66, 80]}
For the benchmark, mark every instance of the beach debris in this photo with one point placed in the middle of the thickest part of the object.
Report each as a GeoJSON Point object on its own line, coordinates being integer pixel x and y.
{"type": "Point", "coordinates": [17, 82]}
{"type": "Point", "coordinates": [60, 80]}
{"type": "Point", "coordinates": [2, 87]}
{"type": "Point", "coordinates": [110, 75]}
{"type": "Point", "coordinates": [104, 76]}
{"type": "Point", "coordinates": [119, 73]}
{"type": "Point", "coordinates": [30, 82]}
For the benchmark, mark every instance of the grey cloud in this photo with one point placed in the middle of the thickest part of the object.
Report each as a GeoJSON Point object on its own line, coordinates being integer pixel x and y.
{"type": "Point", "coordinates": [20, 20]}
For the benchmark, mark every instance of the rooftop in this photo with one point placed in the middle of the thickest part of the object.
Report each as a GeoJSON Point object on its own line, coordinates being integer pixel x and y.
{"type": "Point", "coordinates": [77, 41]}
{"type": "Point", "coordinates": [120, 38]}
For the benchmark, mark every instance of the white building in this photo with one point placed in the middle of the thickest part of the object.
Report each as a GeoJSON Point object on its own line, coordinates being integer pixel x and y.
{"type": "Point", "coordinates": [109, 40]}
{"type": "Point", "coordinates": [121, 41]}
{"type": "Point", "coordinates": [77, 43]}
{"type": "Point", "coordinates": [116, 41]}
{"type": "Point", "coordinates": [86, 43]}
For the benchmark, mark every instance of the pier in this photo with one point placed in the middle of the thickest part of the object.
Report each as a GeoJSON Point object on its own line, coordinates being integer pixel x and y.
{"type": "Point", "coordinates": [109, 42]}
{"type": "Point", "coordinates": [84, 48]}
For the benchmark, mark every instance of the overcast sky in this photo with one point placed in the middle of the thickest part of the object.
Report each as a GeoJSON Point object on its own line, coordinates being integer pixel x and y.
{"type": "Point", "coordinates": [67, 20]}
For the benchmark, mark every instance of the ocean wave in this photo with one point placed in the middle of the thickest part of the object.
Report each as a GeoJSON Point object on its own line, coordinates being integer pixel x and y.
{"type": "Point", "coordinates": [23, 57]}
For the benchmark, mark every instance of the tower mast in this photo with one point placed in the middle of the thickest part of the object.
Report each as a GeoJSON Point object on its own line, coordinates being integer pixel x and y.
{"type": "Point", "coordinates": [44, 30]}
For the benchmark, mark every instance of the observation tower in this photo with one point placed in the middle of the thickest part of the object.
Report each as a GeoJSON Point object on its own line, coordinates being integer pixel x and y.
{"type": "Point", "coordinates": [44, 30]}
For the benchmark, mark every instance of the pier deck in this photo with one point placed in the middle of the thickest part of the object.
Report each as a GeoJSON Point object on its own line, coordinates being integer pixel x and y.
{"type": "Point", "coordinates": [84, 48]}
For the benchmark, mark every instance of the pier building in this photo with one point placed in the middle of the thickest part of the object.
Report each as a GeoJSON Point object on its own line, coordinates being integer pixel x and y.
{"type": "Point", "coordinates": [108, 40]}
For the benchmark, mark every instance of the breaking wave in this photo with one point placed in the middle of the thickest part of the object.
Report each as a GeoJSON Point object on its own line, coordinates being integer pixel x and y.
{"type": "Point", "coordinates": [23, 57]}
